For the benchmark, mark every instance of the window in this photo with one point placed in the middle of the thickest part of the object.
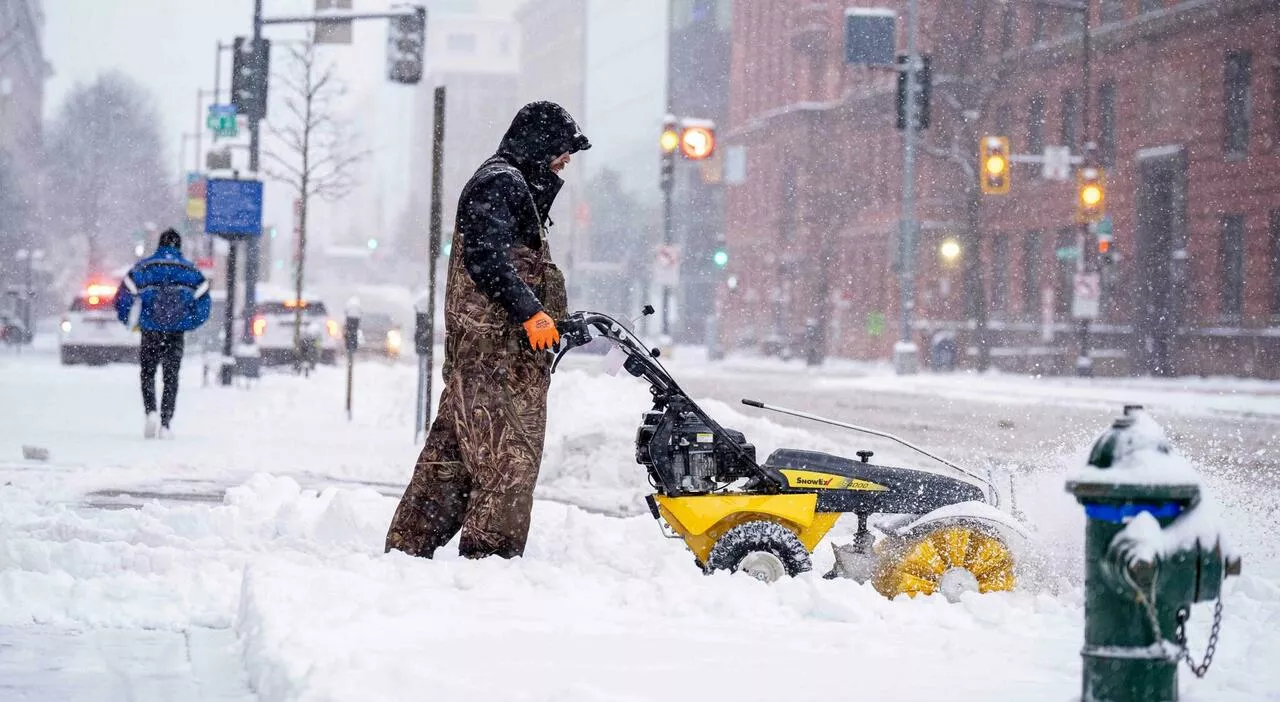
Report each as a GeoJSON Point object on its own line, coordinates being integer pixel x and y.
{"type": "Point", "coordinates": [461, 43]}
{"type": "Point", "coordinates": [1038, 19]}
{"type": "Point", "coordinates": [1002, 120]}
{"type": "Point", "coordinates": [1107, 123]}
{"type": "Point", "coordinates": [1237, 102]}
{"type": "Point", "coordinates": [1273, 251]}
{"type": "Point", "coordinates": [1070, 118]}
{"type": "Point", "coordinates": [1150, 5]}
{"type": "Point", "coordinates": [1035, 125]}
{"type": "Point", "coordinates": [1275, 108]}
{"type": "Point", "coordinates": [1073, 23]}
{"type": "Point", "coordinates": [1068, 238]}
{"type": "Point", "coordinates": [1000, 274]}
{"type": "Point", "coordinates": [1231, 265]}
{"type": "Point", "coordinates": [1031, 274]}
{"type": "Point", "coordinates": [1111, 11]}
{"type": "Point", "coordinates": [1008, 22]}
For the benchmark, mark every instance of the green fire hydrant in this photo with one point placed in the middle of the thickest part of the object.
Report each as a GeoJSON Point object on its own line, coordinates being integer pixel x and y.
{"type": "Point", "coordinates": [1152, 549]}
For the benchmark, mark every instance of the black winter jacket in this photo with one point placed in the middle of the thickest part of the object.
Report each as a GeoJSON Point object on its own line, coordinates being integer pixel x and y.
{"type": "Point", "coordinates": [509, 198]}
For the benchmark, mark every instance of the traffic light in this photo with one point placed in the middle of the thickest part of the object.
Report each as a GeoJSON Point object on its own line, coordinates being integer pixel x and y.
{"type": "Point", "coordinates": [720, 257]}
{"type": "Point", "coordinates": [250, 68]}
{"type": "Point", "coordinates": [697, 140]}
{"type": "Point", "coordinates": [406, 40]}
{"type": "Point", "coordinates": [669, 141]}
{"type": "Point", "coordinates": [1091, 195]}
{"type": "Point", "coordinates": [993, 164]}
{"type": "Point", "coordinates": [924, 92]}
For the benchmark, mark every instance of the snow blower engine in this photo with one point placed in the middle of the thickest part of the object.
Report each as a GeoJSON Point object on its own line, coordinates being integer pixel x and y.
{"type": "Point", "coordinates": [937, 533]}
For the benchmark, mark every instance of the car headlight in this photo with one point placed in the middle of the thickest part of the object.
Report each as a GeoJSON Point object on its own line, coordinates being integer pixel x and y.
{"type": "Point", "coordinates": [393, 340]}
{"type": "Point", "coordinates": [66, 326]}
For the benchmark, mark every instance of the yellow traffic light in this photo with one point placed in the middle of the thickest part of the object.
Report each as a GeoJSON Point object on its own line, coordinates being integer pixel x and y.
{"type": "Point", "coordinates": [669, 140]}
{"type": "Point", "coordinates": [697, 142]}
{"type": "Point", "coordinates": [993, 164]}
{"type": "Point", "coordinates": [1091, 195]}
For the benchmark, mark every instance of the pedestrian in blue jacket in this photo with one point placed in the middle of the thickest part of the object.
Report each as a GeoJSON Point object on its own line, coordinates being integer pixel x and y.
{"type": "Point", "coordinates": [164, 296]}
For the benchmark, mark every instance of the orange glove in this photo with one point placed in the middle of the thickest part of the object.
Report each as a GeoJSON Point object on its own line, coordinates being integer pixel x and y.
{"type": "Point", "coordinates": [542, 331]}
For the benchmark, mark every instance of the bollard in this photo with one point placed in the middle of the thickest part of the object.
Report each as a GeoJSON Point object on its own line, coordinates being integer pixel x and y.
{"type": "Point", "coordinates": [1152, 549]}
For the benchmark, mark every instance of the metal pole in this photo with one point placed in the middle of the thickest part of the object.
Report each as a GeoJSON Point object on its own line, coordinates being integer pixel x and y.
{"type": "Point", "coordinates": [229, 318]}
{"type": "Point", "coordinates": [351, 375]}
{"type": "Point", "coordinates": [252, 246]}
{"type": "Point", "coordinates": [668, 184]}
{"type": "Point", "coordinates": [1084, 362]}
{"type": "Point", "coordinates": [424, 401]}
{"type": "Point", "coordinates": [904, 353]}
{"type": "Point", "coordinates": [199, 129]}
{"type": "Point", "coordinates": [433, 252]}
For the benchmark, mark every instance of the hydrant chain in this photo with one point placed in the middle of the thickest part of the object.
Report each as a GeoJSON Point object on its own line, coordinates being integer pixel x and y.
{"type": "Point", "coordinates": [1199, 668]}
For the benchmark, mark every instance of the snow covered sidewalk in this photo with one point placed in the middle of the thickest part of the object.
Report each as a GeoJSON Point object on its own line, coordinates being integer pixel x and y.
{"type": "Point", "coordinates": [279, 589]}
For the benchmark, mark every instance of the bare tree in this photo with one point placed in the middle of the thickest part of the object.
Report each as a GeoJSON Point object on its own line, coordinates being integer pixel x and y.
{"type": "Point", "coordinates": [103, 162]}
{"type": "Point", "coordinates": [313, 150]}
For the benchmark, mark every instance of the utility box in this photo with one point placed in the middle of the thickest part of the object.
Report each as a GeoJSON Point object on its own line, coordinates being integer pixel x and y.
{"type": "Point", "coordinates": [870, 36]}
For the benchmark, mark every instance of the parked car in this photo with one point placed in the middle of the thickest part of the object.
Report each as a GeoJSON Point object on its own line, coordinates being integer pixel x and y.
{"type": "Point", "coordinates": [273, 326]}
{"type": "Point", "coordinates": [90, 333]}
{"type": "Point", "coordinates": [380, 335]}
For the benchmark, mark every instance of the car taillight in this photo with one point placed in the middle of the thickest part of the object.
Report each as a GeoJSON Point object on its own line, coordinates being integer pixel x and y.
{"type": "Point", "coordinates": [259, 326]}
{"type": "Point", "coordinates": [332, 326]}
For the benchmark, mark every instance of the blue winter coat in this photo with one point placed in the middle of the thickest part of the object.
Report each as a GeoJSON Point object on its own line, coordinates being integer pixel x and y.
{"type": "Point", "coordinates": [165, 293]}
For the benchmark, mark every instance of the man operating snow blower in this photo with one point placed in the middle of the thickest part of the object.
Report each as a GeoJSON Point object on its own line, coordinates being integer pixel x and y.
{"type": "Point", "coordinates": [478, 467]}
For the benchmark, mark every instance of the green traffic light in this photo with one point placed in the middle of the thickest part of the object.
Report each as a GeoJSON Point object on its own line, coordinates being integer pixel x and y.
{"type": "Point", "coordinates": [721, 258]}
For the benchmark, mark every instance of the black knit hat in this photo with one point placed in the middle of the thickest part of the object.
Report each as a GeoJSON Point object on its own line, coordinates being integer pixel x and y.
{"type": "Point", "coordinates": [171, 238]}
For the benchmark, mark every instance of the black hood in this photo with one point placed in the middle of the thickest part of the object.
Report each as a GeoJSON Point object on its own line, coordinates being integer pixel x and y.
{"type": "Point", "coordinates": [540, 132]}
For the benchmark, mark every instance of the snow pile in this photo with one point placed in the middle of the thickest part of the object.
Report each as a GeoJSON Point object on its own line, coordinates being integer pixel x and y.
{"type": "Point", "coordinates": [167, 567]}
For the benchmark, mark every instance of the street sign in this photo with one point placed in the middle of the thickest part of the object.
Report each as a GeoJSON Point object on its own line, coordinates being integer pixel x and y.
{"type": "Point", "coordinates": [1103, 226]}
{"type": "Point", "coordinates": [1056, 164]}
{"type": "Point", "coordinates": [1088, 296]}
{"type": "Point", "coordinates": [1067, 253]}
{"type": "Point", "coordinates": [234, 207]}
{"type": "Point", "coordinates": [222, 120]}
{"type": "Point", "coordinates": [195, 196]}
{"type": "Point", "coordinates": [666, 265]}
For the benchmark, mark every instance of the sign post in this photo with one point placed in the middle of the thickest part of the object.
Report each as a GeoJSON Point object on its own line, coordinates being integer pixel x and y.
{"type": "Point", "coordinates": [233, 209]}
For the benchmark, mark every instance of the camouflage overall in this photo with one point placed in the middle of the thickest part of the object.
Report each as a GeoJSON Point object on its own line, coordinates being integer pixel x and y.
{"type": "Point", "coordinates": [480, 462]}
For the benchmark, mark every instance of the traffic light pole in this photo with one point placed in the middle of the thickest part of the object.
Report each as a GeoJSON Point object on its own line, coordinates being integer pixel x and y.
{"type": "Point", "coordinates": [433, 248]}
{"type": "Point", "coordinates": [1084, 361]}
{"type": "Point", "coordinates": [668, 236]}
{"type": "Point", "coordinates": [905, 353]}
{"type": "Point", "coordinates": [252, 246]}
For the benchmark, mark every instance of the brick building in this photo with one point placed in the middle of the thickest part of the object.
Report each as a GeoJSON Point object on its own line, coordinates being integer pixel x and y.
{"type": "Point", "coordinates": [1185, 111]}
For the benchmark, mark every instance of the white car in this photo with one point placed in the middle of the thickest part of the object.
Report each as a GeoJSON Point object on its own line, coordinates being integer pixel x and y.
{"type": "Point", "coordinates": [91, 333]}
{"type": "Point", "coordinates": [273, 323]}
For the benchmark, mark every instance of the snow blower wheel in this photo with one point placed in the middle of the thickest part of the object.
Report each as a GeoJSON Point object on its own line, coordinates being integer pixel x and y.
{"type": "Point", "coordinates": [766, 551]}
{"type": "Point", "coordinates": [951, 561]}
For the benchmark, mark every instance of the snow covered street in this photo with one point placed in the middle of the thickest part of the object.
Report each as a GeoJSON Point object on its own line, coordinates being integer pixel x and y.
{"type": "Point", "coordinates": [243, 559]}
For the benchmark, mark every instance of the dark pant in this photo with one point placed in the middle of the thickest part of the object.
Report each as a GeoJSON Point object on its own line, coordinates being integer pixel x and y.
{"type": "Point", "coordinates": [478, 468]}
{"type": "Point", "coordinates": [161, 349]}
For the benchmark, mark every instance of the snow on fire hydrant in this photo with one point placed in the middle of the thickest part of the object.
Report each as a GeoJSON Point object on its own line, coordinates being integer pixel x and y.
{"type": "Point", "coordinates": [1152, 548]}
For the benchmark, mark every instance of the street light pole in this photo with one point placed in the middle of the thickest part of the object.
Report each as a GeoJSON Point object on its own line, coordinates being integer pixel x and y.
{"type": "Point", "coordinates": [1084, 362]}
{"type": "Point", "coordinates": [904, 352]}
{"type": "Point", "coordinates": [252, 246]}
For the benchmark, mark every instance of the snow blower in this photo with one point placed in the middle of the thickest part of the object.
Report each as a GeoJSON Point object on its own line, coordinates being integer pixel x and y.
{"type": "Point", "coordinates": [938, 533]}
